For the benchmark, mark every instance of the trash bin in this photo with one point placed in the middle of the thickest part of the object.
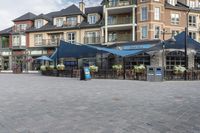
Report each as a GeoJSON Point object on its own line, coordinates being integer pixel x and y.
{"type": "Point", "coordinates": [159, 74]}
{"type": "Point", "coordinates": [155, 74]}
{"type": "Point", "coordinates": [150, 73]}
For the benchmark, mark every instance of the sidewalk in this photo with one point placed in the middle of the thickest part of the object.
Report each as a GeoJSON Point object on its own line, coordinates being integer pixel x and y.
{"type": "Point", "coordinates": [25, 72]}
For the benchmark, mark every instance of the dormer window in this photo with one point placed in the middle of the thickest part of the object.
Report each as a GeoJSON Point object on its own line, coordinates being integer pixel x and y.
{"type": "Point", "coordinates": [172, 2]}
{"type": "Point", "coordinates": [21, 27]}
{"type": "Point", "coordinates": [59, 22]}
{"type": "Point", "coordinates": [92, 19]}
{"type": "Point", "coordinates": [72, 21]}
{"type": "Point", "coordinates": [39, 23]}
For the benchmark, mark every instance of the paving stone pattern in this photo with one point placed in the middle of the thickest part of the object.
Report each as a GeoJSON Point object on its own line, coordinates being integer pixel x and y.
{"type": "Point", "coordinates": [38, 104]}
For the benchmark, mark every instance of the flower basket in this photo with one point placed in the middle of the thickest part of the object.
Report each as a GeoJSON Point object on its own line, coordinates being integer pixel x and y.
{"type": "Point", "coordinates": [139, 69]}
{"type": "Point", "coordinates": [60, 67]}
{"type": "Point", "coordinates": [43, 68]}
{"type": "Point", "coordinates": [118, 69]}
{"type": "Point", "coordinates": [93, 68]}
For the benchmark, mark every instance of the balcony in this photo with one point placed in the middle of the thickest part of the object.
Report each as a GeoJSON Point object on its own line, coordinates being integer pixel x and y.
{"type": "Point", "coordinates": [18, 47]}
{"type": "Point", "coordinates": [70, 24]}
{"type": "Point", "coordinates": [120, 38]}
{"type": "Point", "coordinates": [120, 21]}
{"type": "Point", "coordinates": [47, 43]}
{"type": "Point", "coordinates": [119, 3]}
{"type": "Point", "coordinates": [92, 40]}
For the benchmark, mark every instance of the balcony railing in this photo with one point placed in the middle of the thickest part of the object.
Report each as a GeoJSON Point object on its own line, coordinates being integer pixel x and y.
{"type": "Point", "coordinates": [92, 40]}
{"type": "Point", "coordinates": [18, 47]}
{"type": "Point", "coordinates": [48, 42]}
{"type": "Point", "coordinates": [119, 3]}
{"type": "Point", "coordinates": [121, 20]}
{"type": "Point", "coordinates": [120, 38]}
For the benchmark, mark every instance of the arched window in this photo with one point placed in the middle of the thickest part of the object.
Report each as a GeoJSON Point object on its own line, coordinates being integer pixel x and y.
{"type": "Point", "coordinates": [197, 61]}
{"type": "Point", "coordinates": [143, 59]}
{"type": "Point", "coordinates": [175, 58]}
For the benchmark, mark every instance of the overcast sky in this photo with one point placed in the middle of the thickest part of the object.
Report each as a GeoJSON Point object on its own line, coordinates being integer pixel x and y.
{"type": "Point", "coordinates": [11, 9]}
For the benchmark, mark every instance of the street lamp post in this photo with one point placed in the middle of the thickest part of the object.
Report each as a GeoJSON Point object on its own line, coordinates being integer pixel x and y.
{"type": "Point", "coordinates": [186, 33]}
{"type": "Point", "coordinates": [171, 40]}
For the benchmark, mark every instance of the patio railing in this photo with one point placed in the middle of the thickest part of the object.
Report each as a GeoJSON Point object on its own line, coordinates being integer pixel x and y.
{"type": "Point", "coordinates": [129, 74]}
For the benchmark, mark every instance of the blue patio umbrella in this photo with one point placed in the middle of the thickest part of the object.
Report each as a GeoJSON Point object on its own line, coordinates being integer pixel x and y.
{"type": "Point", "coordinates": [44, 58]}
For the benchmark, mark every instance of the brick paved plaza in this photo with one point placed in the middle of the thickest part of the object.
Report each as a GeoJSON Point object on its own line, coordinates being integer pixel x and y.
{"type": "Point", "coordinates": [38, 104]}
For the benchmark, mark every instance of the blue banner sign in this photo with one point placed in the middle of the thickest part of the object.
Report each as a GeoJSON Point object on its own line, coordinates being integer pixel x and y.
{"type": "Point", "coordinates": [144, 46]}
{"type": "Point", "coordinates": [87, 73]}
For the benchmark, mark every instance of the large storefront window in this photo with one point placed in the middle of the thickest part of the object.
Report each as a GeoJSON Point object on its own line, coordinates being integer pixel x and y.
{"type": "Point", "coordinates": [141, 59]}
{"type": "Point", "coordinates": [175, 58]}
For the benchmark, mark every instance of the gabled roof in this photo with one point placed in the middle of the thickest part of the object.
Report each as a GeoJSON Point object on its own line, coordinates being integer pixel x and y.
{"type": "Point", "coordinates": [42, 16]}
{"type": "Point", "coordinates": [6, 31]}
{"type": "Point", "coordinates": [71, 10]}
{"type": "Point", "coordinates": [96, 9]}
{"type": "Point", "coordinates": [27, 16]}
{"type": "Point", "coordinates": [178, 6]}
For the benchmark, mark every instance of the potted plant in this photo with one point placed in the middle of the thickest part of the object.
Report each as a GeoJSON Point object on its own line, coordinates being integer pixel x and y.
{"type": "Point", "coordinates": [139, 68]}
{"type": "Point", "coordinates": [117, 68]}
{"type": "Point", "coordinates": [60, 67]}
{"type": "Point", "coordinates": [93, 69]}
{"type": "Point", "coordinates": [43, 68]}
{"type": "Point", "coordinates": [178, 70]}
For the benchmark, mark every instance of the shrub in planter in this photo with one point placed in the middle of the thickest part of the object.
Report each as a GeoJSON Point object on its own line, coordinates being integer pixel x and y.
{"type": "Point", "coordinates": [93, 68]}
{"type": "Point", "coordinates": [51, 67]}
{"type": "Point", "coordinates": [139, 68]}
{"type": "Point", "coordinates": [179, 69]}
{"type": "Point", "coordinates": [117, 67]}
{"type": "Point", "coordinates": [60, 67]}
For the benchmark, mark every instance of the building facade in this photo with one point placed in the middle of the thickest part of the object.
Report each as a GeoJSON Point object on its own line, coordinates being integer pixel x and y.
{"type": "Point", "coordinates": [113, 22]}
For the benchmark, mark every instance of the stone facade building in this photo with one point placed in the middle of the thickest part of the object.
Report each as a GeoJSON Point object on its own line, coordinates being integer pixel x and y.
{"type": "Point", "coordinates": [114, 23]}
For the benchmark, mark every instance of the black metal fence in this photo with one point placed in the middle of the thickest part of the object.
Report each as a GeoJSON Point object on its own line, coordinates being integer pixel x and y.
{"type": "Point", "coordinates": [129, 74]}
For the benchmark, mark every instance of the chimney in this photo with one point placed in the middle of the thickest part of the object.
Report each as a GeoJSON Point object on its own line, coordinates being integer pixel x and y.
{"type": "Point", "coordinates": [82, 6]}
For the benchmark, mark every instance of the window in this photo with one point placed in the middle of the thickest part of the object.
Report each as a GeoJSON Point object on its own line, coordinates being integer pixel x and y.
{"type": "Point", "coordinates": [16, 40]}
{"type": "Point", "coordinates": [175, 19]}
{"type": "Point", "coordinates": [21, 27]}
{"type": "Point", "coordinates": [172, 2]}
{"type": "Point", "coordinates": [192, 35]}
{"type": "Point", "coordinates": [144, 14]}
{"type": "Point", "coordinates": [92, 19]}
{"type": "Point", "coordinates": [112, 37]}
{"type": "Point", "coordinates": [157, 13]}
{"type": "Point", "coordinates": [175, 32]}
{"type": "Point", "coordinates": [144, 32]}
{"type": "Point", "coordinates": [59, 22]}
{"type": "Point", "coordinates": [38, 39]}
{"type": "Point", "coordinates": [192, 21]}
{"type": "Point", "coordinates": [192, 4]}
{"type": "Point", "coordinates": [71, 37]}
{"type": "Point", "coordinates": [38, 23]}
{"type": "Point", "coordinates": [175, 58]}
{"type": "Point", "coordinates": [157, 32]}
{"type": "Point", "coordinates": [72, 21]}
{"type": "Point", "coordinates": [112, 20]}
{"type": "Point", "coordinates": [92, 37]}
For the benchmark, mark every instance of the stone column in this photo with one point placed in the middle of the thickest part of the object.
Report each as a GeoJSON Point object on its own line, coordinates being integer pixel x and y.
{"type": "Point", "coordinates": [191, 57]}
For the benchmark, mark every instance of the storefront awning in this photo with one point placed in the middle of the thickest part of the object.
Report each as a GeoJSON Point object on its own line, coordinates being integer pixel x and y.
{"type": "Point", "coordinates": [67, 50]}
{"type": "Point", "coordinates": [178, 44]}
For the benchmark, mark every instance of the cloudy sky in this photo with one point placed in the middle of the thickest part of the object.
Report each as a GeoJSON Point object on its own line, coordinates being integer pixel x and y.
{"type": "Point", "coordinates": [11, 9]}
